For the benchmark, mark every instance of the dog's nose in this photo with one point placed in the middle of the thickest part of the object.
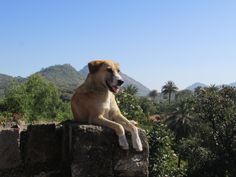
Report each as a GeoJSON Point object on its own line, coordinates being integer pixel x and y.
{"type": "Point", "coordinates": [120, 82]}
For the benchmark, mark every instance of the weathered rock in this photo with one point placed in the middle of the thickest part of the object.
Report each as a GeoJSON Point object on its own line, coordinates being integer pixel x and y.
{"type": "Point", "coordinates": [41, 148]}
{"type": "Point", "coordinates": [70, 150]}
{"type": "Point", "coordinates": [95, 153]}
{"type": "Point", "coordinates": [9, 149]}
{"type": "Point", "coordinates": [54, 173]}
{"type": "Point", "coordinates": [92, 151]}
{"type": "Point", "coordinates": [14, 172]}
{"type": "Point", "coordinates": [132, 163]}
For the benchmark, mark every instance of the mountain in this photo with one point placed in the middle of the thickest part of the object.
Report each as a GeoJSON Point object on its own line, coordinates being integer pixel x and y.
{"type": "Point", "coordinates": [142, 90]}
{"type": "Point", "coordinates": [64, 76]}
{"type": "Point", "coordinates": [233, 84]}
{"type": "Point", "coordinates": [195, 85]}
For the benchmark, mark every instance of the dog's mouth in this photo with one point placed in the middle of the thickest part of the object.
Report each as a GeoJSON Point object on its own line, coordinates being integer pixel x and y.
{"type": "Point", "coordinates": [113, 88]}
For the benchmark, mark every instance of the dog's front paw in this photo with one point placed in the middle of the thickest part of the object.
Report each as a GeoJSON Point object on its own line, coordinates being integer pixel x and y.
{"type": "Point", "coordinates": [133, 122]}
{"type": "Point", "coordinates": [137, 144]}
{"type": "Point", "coordinates": [123, 142]}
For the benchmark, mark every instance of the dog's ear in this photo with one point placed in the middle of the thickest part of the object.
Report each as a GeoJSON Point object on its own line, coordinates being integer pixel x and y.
{"type": "Point", "coordinates": [94, 66]}
{"type": "Point", "coordinates": [117, 66]}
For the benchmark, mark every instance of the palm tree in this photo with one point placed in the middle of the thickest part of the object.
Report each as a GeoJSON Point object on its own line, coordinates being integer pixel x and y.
{"type": "Point", "coordinates": [153, 94]}
{"type": "Point", "coordinates": [213, 88]}
{"type": "Point", "coordinates": [169, 88]}
{"type": "Point", "coordinates": [131, 89]}
{"type": "Point", "coordinates": [181, 121]}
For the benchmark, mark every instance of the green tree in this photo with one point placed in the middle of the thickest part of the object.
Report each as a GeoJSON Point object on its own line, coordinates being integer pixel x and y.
{"type": "Point", "coordinates": [168, 89]}
{"type": "Point", "coordinates": [16, 99]}
{"type": "Point", "coordinates": [215, 136]}
{"type": "Point", "coordinates": [183, 94]}
{"type": "Point", "coordinates": [181, 121]}
{"type": "Point", "coordinates": [149, 107]}
{"type": "Point", "coordinates": [162, 159]}
{"type": "Point", "coordinates": [35, 99]}
{"type": "Point", "coordinates": [130, 107]}
{"type": "Point", "coordinates": [213, 88]}
{"type": "Point", "coordinates": [153, 94]}
{"type": "Point", "coordinates": [196, 155]}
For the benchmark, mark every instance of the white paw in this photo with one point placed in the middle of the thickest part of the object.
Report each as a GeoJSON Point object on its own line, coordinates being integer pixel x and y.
{"type": "Point", "coordinates": [123, 142]}
{"type": "Point", "coordinates": [133, 122]}
{"type": "Point", "coordinates": [137, 144]}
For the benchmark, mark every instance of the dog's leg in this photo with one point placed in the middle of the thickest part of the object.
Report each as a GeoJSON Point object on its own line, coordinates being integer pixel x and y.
{"type": "Point", "coordinates": [120, 132]}
{"type": "Point", "coordinates": [129, 126]}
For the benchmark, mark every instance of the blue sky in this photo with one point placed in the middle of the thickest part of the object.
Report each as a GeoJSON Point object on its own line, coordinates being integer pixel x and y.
{"type": "Point", "coordinates": [154, 41]}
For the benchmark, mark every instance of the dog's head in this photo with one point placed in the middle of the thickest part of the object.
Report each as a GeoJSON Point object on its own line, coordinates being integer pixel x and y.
{"type": "Point", "coordinates": [107, 74]}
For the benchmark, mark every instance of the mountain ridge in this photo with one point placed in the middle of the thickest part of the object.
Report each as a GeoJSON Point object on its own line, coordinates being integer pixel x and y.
{"type": "Point", "coordinates": [67, 79]}
{"type": "Point", "coordinates": [195, 85]}
{"type": "Point", "coordinates": [64, 76]}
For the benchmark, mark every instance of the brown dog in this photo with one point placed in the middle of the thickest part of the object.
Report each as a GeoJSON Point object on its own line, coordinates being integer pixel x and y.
{"type": "Point", "coordinates": [94, 102]}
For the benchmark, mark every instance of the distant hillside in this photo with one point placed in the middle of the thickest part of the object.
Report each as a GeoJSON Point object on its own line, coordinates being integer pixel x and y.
{"type": "Point", "coordinates": [5, 82]}
{"type": "Point", "coordinates": [64, 76]}
{"type": "Point", "coordinates": [142, 90]}
{"type": "Point", "coordinates": [195, 85]}
{"type": "Point", "coordinates": [233, 84]}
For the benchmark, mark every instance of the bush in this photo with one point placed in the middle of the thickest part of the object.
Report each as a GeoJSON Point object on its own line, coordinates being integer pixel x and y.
{"type": "Point", "coordinates": [129, 106]}
{"type": "Point", "coordinates": [163, 160]}
{"type": "Point", "coordinates": [36, 100]}
{"type": "Point", "coordinates": [216, 123]}
{"type": "Point", "coordinates": [149, 107]}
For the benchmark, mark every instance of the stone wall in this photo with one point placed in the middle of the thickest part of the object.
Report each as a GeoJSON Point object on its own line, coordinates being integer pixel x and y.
{"type": "Point", "coordinates": [69, 150]}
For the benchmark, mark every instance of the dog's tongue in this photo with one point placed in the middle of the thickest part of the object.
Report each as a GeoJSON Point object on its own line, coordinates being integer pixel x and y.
{"type": "Point", "coordinates": [115, 89]}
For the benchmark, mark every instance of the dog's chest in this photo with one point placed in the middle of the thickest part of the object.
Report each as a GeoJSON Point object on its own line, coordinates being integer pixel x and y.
{"type": "Point", "coordinates": [108, 104]}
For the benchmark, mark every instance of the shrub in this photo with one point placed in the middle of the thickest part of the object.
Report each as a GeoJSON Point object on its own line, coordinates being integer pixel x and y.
{"type": "Point", "coordinates": [163, 160]}
{"type": "Point", "coordinates": [36, 99]}
{"type": "Point", "coordinates": [129, 106]}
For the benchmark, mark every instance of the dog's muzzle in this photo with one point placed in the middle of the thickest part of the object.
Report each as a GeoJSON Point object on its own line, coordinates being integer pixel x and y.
{"type": "Point", "coordinates": [114, 88]}
{"type": "Point", "coordinates": [120, 82]}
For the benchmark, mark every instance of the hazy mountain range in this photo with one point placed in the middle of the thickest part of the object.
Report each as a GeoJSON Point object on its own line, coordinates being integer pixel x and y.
{"type": "Point", "coordinates": [198, 84]}
{"type": "Point", "coordinates": [67, 79]}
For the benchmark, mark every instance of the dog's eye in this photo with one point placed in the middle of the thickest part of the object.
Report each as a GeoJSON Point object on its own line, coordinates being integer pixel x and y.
{"type": "Point", "coordinates": [118, 71]}
{"type": "Point", "coordinates": [109, 70]}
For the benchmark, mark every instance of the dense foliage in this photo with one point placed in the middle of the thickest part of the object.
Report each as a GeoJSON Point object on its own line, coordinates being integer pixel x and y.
{"type": "Point", "coordinates": [215, 137]}
{"type": "Point", "coordinates": [163, 160]}
{"type": "Point", "coordinates": [35, 100]}
{"type": "Point", "coordinates": [204, 125]}
{"type": "Point", "coordinates": [129, 105]}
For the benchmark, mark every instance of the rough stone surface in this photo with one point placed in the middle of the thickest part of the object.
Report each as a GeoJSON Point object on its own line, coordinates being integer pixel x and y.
{"type": "Point", "coordinates": [41, 148]}
{"type": "Point", "coordinates": [9, 149]}
{"type": "Point", "coordinates": [92, 147]}
{"type": "Point", "coordinates": [132, 163]}
{"type": "Point", "coordinates": [69, 150]}
{"type": "Point", "coordinates": [97, 148]}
